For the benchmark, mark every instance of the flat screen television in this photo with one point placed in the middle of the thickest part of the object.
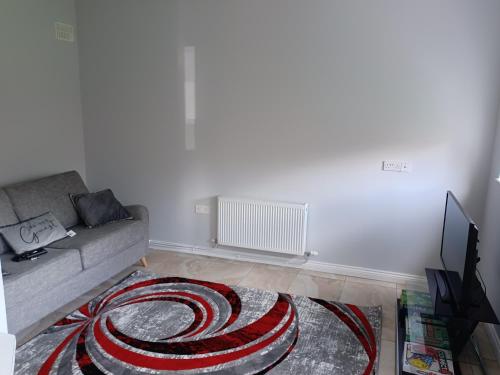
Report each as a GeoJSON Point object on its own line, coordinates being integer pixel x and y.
{"type": "Point", "coordinates": [458, 253]}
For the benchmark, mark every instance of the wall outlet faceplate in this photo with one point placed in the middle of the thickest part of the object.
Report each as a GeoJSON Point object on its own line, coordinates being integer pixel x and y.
{"type": "Point", "coordinates": [202, 209]}
{"type": "Point", "coordinates": [64, 32]}
{"type": "Point", "coordinates": [396, 166]}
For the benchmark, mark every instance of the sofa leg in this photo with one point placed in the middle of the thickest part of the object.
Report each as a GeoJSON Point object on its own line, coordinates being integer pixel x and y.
{"type": "Point", "coordinates": [144, 262]}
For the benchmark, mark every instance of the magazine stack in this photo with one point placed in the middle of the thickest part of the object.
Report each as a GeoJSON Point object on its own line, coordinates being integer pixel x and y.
{"type": "Point", "coordinates": [426, 343]}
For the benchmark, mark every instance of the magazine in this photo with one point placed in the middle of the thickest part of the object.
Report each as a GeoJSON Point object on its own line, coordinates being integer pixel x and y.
{"type": "Point", "coordinates": [420, 359]}
{"type": "Point", "coordinates": [414, 301]}
{"type": "Point", "coordinates": [421, 329]}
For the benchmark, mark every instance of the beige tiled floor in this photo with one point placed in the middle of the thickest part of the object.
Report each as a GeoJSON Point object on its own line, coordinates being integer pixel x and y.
{"type": "Point", "coordinates": [314, 284]}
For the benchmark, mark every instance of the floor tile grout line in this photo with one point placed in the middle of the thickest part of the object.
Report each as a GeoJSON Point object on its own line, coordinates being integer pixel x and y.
{"type": "Point", "coordinates": [291, 283]}
{"type": "Point", "coordinates": [306, 272]}
{"type": "Point", "coordinates": [252, 266]}
{"type": "Point", "coordinates": [247, 274]}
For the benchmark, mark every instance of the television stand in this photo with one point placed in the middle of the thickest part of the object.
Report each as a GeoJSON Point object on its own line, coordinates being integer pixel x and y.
{"type": "Point", "coordinates": [460, 323]}
{"type": "Point", "coordinates": [463, 322]}
{"type": "Point", "coordinates": [400, 340]}
{"type": "Point", "coordinates": [443, 289]}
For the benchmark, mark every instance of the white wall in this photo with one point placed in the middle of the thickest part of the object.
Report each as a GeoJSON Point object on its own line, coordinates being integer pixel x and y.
{"type": "Point", "coordinates": [40, 111]}
{"type": "Point", "coordinates": [300, 101]}
{"type": "Point", "coordinates": [489, 235]}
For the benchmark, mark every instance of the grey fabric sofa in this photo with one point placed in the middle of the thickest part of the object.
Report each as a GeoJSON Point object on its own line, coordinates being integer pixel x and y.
{"type": "Point", "coordinates": [73, 265]}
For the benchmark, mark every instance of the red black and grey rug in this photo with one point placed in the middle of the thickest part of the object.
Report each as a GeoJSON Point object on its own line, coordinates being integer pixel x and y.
{"type": "Point", "coordinates": [152, 325]}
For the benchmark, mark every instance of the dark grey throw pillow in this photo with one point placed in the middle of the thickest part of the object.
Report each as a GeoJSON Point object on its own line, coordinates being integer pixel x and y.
{"type": "Point", "coordinates": [99, 208]}
{"type": "Point", "coordinates": [33, 233]}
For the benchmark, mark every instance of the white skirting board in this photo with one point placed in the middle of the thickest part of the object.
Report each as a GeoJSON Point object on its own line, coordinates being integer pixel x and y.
{"type": "Point", "coordinates": [338, 269]}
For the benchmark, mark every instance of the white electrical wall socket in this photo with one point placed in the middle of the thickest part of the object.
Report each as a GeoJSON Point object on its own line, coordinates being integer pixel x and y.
{"type": "Point", "coordinates": [396, 166]}
{"type": "Point", "coordinates": [202, 209]}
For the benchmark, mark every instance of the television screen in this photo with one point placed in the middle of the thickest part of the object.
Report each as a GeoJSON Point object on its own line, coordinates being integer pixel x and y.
{"type": "Point", "coordinates": [455, 237]}
{"type": "Point", "coordinates": [459, 252]}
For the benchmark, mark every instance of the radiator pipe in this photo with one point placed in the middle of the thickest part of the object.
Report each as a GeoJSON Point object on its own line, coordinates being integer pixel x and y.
{"type": "Point", "coordinates": [312, 253]}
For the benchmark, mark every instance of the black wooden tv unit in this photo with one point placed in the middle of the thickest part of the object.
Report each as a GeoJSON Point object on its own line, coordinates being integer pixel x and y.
{"type": "Point", "coordinates": [461, 322]}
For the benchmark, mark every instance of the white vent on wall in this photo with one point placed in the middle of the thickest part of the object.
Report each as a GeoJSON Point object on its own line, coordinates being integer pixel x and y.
{"type": "Point", "coordinates": [64, 32]}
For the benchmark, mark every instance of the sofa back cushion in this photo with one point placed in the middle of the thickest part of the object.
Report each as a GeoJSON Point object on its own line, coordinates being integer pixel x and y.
{"type": "Point", "coordinates": [7, 217]}
{"type": "Point", "coordinates": [33, 198]}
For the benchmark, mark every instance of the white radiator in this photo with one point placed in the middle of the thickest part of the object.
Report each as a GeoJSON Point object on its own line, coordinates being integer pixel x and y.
{"type": "Point", "coordinates": [262, 225]}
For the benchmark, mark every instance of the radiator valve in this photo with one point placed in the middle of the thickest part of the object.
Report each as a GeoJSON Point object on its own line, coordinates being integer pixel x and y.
{"type": "Point", "coordinates": [312, 253]}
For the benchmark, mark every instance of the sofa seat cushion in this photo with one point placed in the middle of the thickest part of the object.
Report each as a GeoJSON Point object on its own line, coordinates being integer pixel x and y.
{"type": "Point", "coordinates": [97, 244]}
{"type": "Point", "coordinates": [30, 278]}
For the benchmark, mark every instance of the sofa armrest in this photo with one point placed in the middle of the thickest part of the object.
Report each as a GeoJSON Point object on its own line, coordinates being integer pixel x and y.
{"type": "Point", "coordinates": [139, 212]}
